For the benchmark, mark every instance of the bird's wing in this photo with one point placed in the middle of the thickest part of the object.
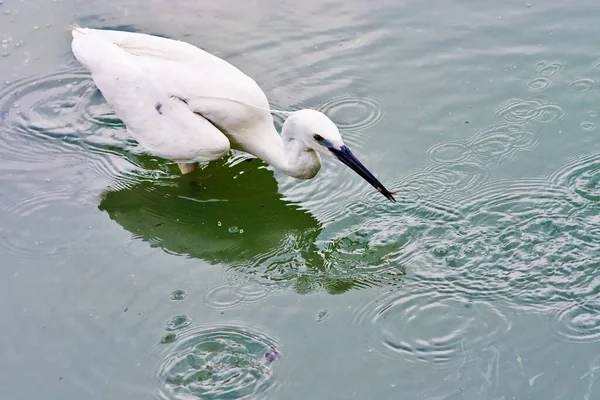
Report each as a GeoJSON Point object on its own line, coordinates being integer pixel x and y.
{"type": "Point", "coordinates": [209, 85]}
{"type": "Point", "coordinates": [144, 45]}
{"type": "Point", "coordinates": [163, 123]}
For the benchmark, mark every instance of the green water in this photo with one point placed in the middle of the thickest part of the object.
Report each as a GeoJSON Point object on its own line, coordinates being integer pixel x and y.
{"type": "Point", "coordinates": [120, 279]}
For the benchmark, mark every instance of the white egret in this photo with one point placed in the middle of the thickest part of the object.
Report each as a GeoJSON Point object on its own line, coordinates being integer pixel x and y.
{"type": "Point", "coordinates": [184, 104]}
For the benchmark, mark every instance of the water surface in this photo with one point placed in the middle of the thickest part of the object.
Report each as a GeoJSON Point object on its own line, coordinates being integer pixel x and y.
{"type": "Point", "coordinates": [122, 279]}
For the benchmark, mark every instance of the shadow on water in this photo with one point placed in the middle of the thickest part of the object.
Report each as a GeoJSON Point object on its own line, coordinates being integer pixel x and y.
{"type": "Point", "coordinates": [230, 213]}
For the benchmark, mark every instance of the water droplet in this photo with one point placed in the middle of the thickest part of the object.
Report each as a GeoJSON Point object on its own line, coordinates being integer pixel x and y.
{"type": "Point", "coordinates": [549, 69]}
{"type": "Point", "coordinates": [178, 322]}
{"type": "Point", "coordinates": [588, 126]}
{"type": "Point", "coordinates": [581, 85]}
{"type": "Point", "coordinates": [168, 338]}
{"type": "Point", "coordinates": [233, 229]}
{"type": "Point", "coordinates": [322, 315]}
{"type": "Point", "coordinates": [539, 84]}
{"type": "Point", "coordinates": [178, 295]}
{"type": "Point", "coordinates": [440, 251]}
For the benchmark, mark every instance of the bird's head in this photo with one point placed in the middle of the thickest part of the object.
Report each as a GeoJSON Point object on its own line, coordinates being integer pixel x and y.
{"type": "Point", "coordinates": [317, 132]}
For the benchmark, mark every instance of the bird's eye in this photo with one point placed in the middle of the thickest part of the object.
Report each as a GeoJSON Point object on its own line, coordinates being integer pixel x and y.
{"type": "Point", "coordinates": [318, 138]}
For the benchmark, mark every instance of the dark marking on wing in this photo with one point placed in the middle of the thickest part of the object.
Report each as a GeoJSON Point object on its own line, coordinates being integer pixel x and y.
{"type": "Point", "coordinates": [158, 108]}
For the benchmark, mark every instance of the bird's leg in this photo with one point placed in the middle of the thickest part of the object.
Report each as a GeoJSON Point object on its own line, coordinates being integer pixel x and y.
{"type": "Point", "coordinates": [186, 168]}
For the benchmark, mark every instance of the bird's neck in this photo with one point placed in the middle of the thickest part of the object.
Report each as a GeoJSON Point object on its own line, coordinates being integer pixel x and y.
{"type": "Point", "coordinates": [287, 155]}
{"type": "Point", "coordinates": [301, 162]}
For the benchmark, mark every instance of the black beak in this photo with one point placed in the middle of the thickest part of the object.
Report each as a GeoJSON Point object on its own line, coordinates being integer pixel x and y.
{"type": "Point", "coordinates": [345, 155]}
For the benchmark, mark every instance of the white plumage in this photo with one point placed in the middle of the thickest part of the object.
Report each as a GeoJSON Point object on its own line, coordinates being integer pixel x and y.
{"type": "Point", "coordinates": [186, 105]}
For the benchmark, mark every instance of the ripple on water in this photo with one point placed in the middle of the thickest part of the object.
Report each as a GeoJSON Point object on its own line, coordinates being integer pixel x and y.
{"type": "Point", "coordinates": [231, 296]}
{"type": "Point", "coordinates": [443, 179]}
{"type": "Point", "coordinates": [581, 176]}
{"type": "Point", "coordinates": [217, 362]}
{"type": "Point", "coordinates": [519, 111]}
{"type": "Point", "coordinates": [579, 320]}
{"type": "Point", "coordinates": [365, 250]}
{"type": "Point", "coordinates": [549, 69]}
{"type": "Point", "coordinates": [34, 126]}
{"type": "Point", "coordinates": [60, 118]}
{"type": "Point", "coordinates": [502, 141]}
{"type": "Point", "coordinates": [45, 203]}
{"type": "Point", "coordinates": [423, 325]}
{"type": "Point", "coordinates": [58, 105]}
{"type": "Point", "coordinates": [321, 193]}
{"type": "Point", "coordinates": [353, 116]}
{"type": "Point", "coordinates": [539, 84]}
{"type": "Point", "coordinates": [178, 295]}
{"type": "Point", "coordinates": [588, 126]}
{"type": "Point", "coordinates": [405, 200]}
{"type": "Point", "coordinates": [367, 245]}
{"type": "Point", "coordinates": [449, 152]}
{"type": "Point", "coordinates": [531, 244]}
{"type": "Point", "coordinates": [222, 297]}
{"type": "Point", "coordinates": [493, 144]}
{"type": "Point", "coordinates": [581, 85]}
{"type": "Point", "coordinates": [322, 315]}
{"type": "Point", "coordinates": [357, 250]}
{"type": "Point", "coordinates": [178, 322]}
{"type": "Point", "coordinates": [48, 122]}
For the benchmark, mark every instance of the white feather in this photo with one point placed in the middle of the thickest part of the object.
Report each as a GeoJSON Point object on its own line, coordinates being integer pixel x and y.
{"type": "Point", "coordinates": [144, 77]}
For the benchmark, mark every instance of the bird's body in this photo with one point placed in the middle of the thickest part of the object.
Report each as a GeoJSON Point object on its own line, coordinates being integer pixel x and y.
{"type": "Point", "coordinates": [189, 106]}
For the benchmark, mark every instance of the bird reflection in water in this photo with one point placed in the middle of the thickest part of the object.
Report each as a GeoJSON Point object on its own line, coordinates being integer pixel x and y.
{"type": "Point", "coordinates": [245, 225]}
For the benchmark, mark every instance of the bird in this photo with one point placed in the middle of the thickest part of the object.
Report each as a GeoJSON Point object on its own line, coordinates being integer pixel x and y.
{"type": "Point", "coordinates": [186, 105]}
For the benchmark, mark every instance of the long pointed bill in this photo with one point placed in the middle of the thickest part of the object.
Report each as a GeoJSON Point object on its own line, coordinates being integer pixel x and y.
{"type": "Point", "coordinates": [344, 154]}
